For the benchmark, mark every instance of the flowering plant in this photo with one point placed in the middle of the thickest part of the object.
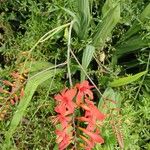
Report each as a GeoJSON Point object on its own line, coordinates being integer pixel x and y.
{"type": "Point", "coordinates": [11, 93]}
{"type": "Point", "coordinates": [78, 118]}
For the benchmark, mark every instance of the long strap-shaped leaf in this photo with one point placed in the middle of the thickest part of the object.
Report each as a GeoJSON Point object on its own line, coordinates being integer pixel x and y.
{"type": "Point", "coordinates": [86, 59]}
{"type": "Point", "coordinates": [133, 44]}
{"type": "Point", "coordinates": [105, 27]}
{"type": "Point", "coordinates": [84, 18]}
{"type": "Point", "coordinates": [127, 80]}
{"type": "Point", "coordinates": [24, 102]}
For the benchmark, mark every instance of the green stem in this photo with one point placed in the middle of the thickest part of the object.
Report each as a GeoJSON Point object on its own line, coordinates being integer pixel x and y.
{"type": "Point", "coordinates": [68, 53]}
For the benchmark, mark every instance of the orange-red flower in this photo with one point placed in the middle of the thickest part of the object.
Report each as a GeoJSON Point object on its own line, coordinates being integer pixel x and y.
{"type": "Point", "coordinates": [94, 110]}
{"type": "Point", "coordinates": [63, 139]}
{"type": "Point", "coordinates": [66, 101]}
{"type": "Point", "coordinates": [92, 115]}
{"type": "Point", "coordinates": [81, 96]}
{"type": "Point", "coordinates": [94, 137]}
{"type": "Point", "coordinates": [64, 120]}
{"type": "Point", "coordinates": [83, 90]}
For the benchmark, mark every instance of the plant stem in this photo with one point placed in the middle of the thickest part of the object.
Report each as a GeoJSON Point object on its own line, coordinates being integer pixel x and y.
{"type": "Point", "coordinates": [85, 72]}
{"type": "Point", "coordinates": [68, 53]}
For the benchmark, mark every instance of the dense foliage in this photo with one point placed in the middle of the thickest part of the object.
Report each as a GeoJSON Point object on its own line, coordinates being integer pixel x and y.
{"type": "Point", "coordinates": [46, 46]}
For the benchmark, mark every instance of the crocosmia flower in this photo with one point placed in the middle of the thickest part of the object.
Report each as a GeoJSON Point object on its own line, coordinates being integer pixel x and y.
{"type": "Point", "coordinates": [66, 101]}
{"type": "Point", "coordinates": [83, 90]}
{"type": "Point", "coordinates": [79, 97]}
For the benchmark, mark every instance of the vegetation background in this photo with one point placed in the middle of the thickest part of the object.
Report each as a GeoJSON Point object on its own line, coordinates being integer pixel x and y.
{"type": "Point", "coordinates": [59, 42]}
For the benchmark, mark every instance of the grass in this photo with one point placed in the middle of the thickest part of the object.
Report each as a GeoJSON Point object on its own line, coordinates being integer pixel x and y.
{"type": "Point", "coordinates": [60, 43]}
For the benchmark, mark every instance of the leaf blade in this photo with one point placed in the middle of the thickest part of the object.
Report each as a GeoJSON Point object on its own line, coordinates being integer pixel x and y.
{"type": "Point", "coordinates": [86, 59]}
{"type": "Point", "coordinates": [24, 102]}
{"type": "Point", "coordinates": [105, 27]}
{"type": "Point", "coordinates": [126, 80]}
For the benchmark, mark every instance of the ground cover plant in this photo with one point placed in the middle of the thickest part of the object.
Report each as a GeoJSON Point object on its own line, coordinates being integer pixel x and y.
{"type": "Point", "coordinates": [75, 74]}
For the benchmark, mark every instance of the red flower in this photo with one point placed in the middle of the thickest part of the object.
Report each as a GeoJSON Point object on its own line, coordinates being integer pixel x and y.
{"type": "Point", "coordinates": [63, 139]}
{"type": "Point", "coordinates": [90, 119]}
{"type": "Point", "coordinates": [66, 113]}
{"type": "Point", "coordinates": [84, 90]}
{"type": "Point", "coordinates": [66, 101]}
{"type": "Point", "coordinates": [94, 136]}
{"type": "Point", "coordinates": [61, 109]}
{"type": "Point", "coordinates": [63, 120]}
{"type": "Point", "coordinates": [94, 110]}
{"type": "Point", "coordinates": [90, 143]}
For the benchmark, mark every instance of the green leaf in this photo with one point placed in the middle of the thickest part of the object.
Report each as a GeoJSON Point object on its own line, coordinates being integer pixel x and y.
{"type": "Point", "coordinates": [56, 147]}
{"type": "Point", "coordinates": [133, 40]}
{"type": "Point", "coordinates": [35, 66]}
{"type": "Point", "coordinates": [112, 99]}
{"type": "Point", "coordinates": [127, 80]}
{"type": "Point", "coordinates": [133, 44]}
{"type": "Point", "coordinates": [30, 88]}
{"type": "Point", "coordinates": [105, 27]}
{"type": "Point", "coordinates": [83, 18]}
{"type": "Point", "coordinates": [86, 59]}
{"type": "Point", "coordinates": [109, 4]}
{"type": "Point", "coordinates": [109, 93]}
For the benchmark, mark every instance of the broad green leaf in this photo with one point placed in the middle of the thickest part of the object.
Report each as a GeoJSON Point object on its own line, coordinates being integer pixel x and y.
{"type": "Point", "coordinates": [112, 99]}
{"type": "Point", "coordinates": [127, 80]}
{"type": "Point", "coordinates": [132, 41]}
{"type": "Point", "coordinates": [109, 4]}
{"type": "Point", "coordinates": [83, 18]}
{"type": "Point", "coordinates": [30, 88]}
{"type": "Point", "coordinates": [86, 59]}
{"type": "Point", "coordinates": [109, 93]}
{"type": "Point", "coordinates": [76, 24]}
{"type": "Point", "coordinates": [105, 27]}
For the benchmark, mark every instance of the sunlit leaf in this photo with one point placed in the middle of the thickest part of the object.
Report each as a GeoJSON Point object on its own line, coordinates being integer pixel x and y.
{"type": "Point", "coordinates": [127, 80]}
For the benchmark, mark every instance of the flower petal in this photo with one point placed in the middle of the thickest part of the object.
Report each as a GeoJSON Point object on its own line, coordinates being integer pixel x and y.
{"type": "Point", "coordinates": [90, 143]}
{"type": "Point", "coordinates": [70, 94]}
{"type": "Point", "coordinates": [58, 97]}
{"type": "Point", "coordinates": [79, 98]}
{"type": "Point", "coordinates": [94, 136]}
